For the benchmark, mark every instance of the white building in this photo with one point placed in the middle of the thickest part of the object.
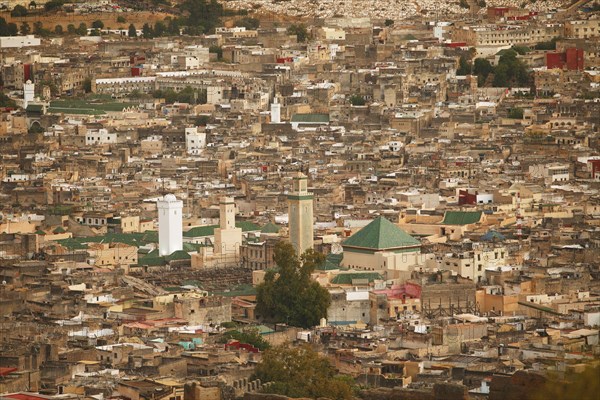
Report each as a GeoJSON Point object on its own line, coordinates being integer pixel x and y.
{"type": "Point", "coordinates": [228, 238]}
{"type": "Point", "coordinates": [275, 111]}
{"type": "Point", "coordinates": [100, 136]}
{"type": "Point", "coordinates": [16, 42]}
{"type": "Point", "coordinates": [170, 224]}
{"type": "Point", "coordinates": [195, 141]}
{"type": "Point", "coordinates": [28, 93]}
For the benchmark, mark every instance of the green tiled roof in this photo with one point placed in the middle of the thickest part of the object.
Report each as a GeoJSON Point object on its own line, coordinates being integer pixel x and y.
{"type": "Point", "coordinates": [132, 239]}
{"type": "Point", "coordinates": [332, 261]}
{"type": "Point", "coordinates": [247, 226]}
{"type": "Point", "coordinates": [270, 228]}
{"type": "Point", "coordinates": [241, 290]}
{"type": "Point", "coordinates": [348, 277]}
{"type": "Point", "coordinates": [178, 255]}
{"type": "Point", "coordinates": [59, 229]}
{"type": "Point", "coordinates": [209, 230]}
{"type": "Point", "coordinates": [461, 217]}
{"type": "Point", "coordinates": [381, 234]}
{"type": "Point", "coordinates": [311, 118]}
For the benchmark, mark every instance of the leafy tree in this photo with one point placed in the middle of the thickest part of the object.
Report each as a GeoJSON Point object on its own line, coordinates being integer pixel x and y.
{"type": "Point", "coordinates": [301, 372]}
{"type": "Point", "coordinates": [550, 45]}
{"type": "Point", "coordinates": [32, 4]}
{"type": "Point", "coordinates": [121, 19]}
{"type": "Point", "coordinates": [357, 100]}
{"type": "Point", "coordinates": [202, 120]}
{"type": "Point", "coordinates": [510, 71]}
{"type": "Point", "coordinates": [71, 29]}
{"type": "Point", "coordinates": [18, 11]}
{"type": "Point", "coordinates": [482, 4]}
{"type": "Point", "coordinates": [515, 113]}
{"type": "Point", "coordinates": [3, 27]}
{"type": "Point", "coordinates": [6, 101]}
{"type": "Point", "coordinates": [13, 30]}
{"type": "Point", "coordinates": [147, 32]}
{"type": "Point", "coordinates": [389, 22]}
{"type": "Point", "coordinates": [53, 5]}
{"type": "Point", "coordinates": [132, 32]}
{"type": "Point", "coordinates": [159, 29]}
{"type": "Point", "coordinates": [203, 15]}
{"type": "Point", "coordinates": [290, 295]}
{"type": "Point", "coordinates": [81, 29]}
{"type": "Point", "coordinates": [97, 24]}
{"type": "Point", "coordinates": [482, 68]}
{"type": "Point", "coordinates": [522, 50]}
{"type": "Point", "coordinates": [218, 50]}
{"type": "Point", "coordinates": [58, 29]}
{"type": "Point", "coordinates": [464, 4]}
{"type": "Point", "coordinates": [25, 29]}
{"type": "Point", "coordinates": [249, 336]}
{"type": "Point", "coordinates": [38, 29]}
{"type": "Point", "coordinates": [248, 23]}
{"type": "Point", "coordinates": [581, 386]}
{"type": "Point", "coordinates": [87, 85]}
{"type": "Point", "coordinates": [464, 66]}
{"type": "Point", "coordinates": [300, 31]}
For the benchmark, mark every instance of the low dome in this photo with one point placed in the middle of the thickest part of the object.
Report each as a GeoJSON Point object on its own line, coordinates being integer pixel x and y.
{"type": "Point", "coordinates": [170, 197]}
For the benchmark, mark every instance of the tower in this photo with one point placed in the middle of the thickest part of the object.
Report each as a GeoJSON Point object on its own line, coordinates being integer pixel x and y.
{"type": "Point", "coordinates": [228, 238]}
{"type": "Point", "coordinates": [275, 112]}
{"type": "Point", "coordinates": [300, 211]}
{"type": "Point", "coordinates": [28, 93]}
{"type": "Point", "coordinates": [170, 236]}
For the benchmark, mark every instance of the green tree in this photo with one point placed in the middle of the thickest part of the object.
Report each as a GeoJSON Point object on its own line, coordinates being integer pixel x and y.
{"type": "Point", "coordinates": [218, 50]}
{"type": "Point", "coordinates": [25, 29]}
{"type": "Point", "coordinates": [18, 11]}
{"type": "Point", "coordinates": [13, 30]}
{"type": "Point", "coordinates": [121, 19]}
{"type": "Point", "coordinates": [290, 295]}
{"type": "Point", "coordinates": [482, 4]}
{"type": "Point", "coordinates": [58, 29]}
{"type": "Point", "coordinates": [550, 45]}
{"type": "Point", "coordinates": [464, 66]}
{"type": "Point", "coordinates": [202, 120]}
{"type": "Point", "coordinates": [464, 4]}
{"type": "Point", "coordinates": [147, 32]}
{"type": "Point", "coordinates": [300, 31]}
{"type": "Point", "coordinates": [389, 22]}
{"type": "Point", "coordinates": [248, 23]}
{"type": "Point", "coordinates": [580, 386]}
{"type": "Point", "coordinates": [53, 5]}
{"type": "Point", "coordinates": [6, 101]}
{"type": "Point", "coordinates": [97, 24]}
{"type": "Point", "coordinates": [249, 336]}
{"type": "Point", "coordinates": [87, 85]}
{"type": "Point", "coordinates": [82, 29]}
{"type": "Point", "coordinates": [482, 68]}
{"type": "Point", "coordinates": [71, 29]}
{"type": "Point", "coordinates": [203, 15]}
{"type": "Point", "coordinates": [3, 27]}
{"type": "Point", "coordinates": [515, 113]}
{"type": "Point", "coordinates": [159, 29]}
{"type": "Point", "coordinates": [357, 100]}
{"type": "Point", "coordinates": [301, 372]}
{"type": "Point", "coordinates": [132, 32]}
{"type": "Point", "coordinates": [32, 4]}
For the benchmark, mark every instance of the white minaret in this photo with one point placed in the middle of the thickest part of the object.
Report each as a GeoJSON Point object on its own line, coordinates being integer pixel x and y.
{"type": "Point", "coordinates": [28, 93]}
{"type": "Point", "coordinates": [300, 211]}
{"type": "Point", "coordinates": [275, 112]}
{"type": "Point", "coordinates": [170, 225]}
{"type": "Point", "coordinates": [228, 238]}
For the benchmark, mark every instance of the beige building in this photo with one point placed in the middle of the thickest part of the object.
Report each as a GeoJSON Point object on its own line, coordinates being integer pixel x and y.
{"type": "Point", "coordinates": [300, 209]}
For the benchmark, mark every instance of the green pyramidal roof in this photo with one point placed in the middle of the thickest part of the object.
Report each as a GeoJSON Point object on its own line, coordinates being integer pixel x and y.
{"type": "Point", "coordinates": [381, 234]}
